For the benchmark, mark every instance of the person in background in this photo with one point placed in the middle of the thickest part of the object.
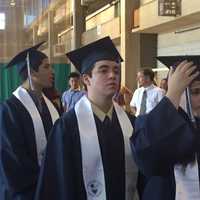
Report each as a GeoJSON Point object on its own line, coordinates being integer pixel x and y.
{"type": "Point", "coordinates": [26, 119]}
{"type": "Point", "coordinates": [143, 101]}
{"type": "Point", "coordinates": [148, 95]}
{"type": "Point", "coordinates": [123, 98]}
{"type": "Point", "coordinates": [163, 84]}
{"type": "Point", "coordinates": [73, 94]}
{"type": "Point", "coordinates": [88, 155]}
{"type": "Point", "coordinates": [169, 154]}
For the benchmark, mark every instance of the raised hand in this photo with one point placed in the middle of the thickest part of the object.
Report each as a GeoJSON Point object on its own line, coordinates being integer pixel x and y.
{"type": "Point", "coordinates": [179, 79]}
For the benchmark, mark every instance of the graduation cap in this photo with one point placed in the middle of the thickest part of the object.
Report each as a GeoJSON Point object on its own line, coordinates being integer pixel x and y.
{"type": "Point", "coordinates": [35, 58]}
{"type": "Point", "coordinates": [28, 59]}
{"type": "Point", "coordinates": [85, 57]}
{"type": "Point", "coordinates": [174, 61]}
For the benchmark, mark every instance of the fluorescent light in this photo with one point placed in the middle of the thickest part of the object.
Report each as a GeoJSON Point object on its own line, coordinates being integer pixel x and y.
{"type": "Point", "coordinates": [12, 3]}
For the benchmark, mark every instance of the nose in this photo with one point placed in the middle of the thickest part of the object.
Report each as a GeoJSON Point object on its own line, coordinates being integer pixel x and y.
{"type": "Point", "coordinates": [112, 74]}
{"type": "Point", "coordinates": [51, 71]}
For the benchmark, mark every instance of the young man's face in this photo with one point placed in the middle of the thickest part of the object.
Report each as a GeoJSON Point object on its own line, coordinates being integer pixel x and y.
{"type": "Point", "coordinates": [44, 77]}
{"type": "Point", "coordinates": [105, 79]}
{"type": "Point", "coordinates": [195, 96]}
{"type": "Point", "coordinates": [74, 83]}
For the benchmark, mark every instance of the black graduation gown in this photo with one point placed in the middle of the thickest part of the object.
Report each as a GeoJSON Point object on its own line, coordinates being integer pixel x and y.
{"type": "Point", "coordinates": [18, 155]}
{"type": "Point", "coordinates": [61, 175]}
{"type": "Point", "coordinates": [162, 139]}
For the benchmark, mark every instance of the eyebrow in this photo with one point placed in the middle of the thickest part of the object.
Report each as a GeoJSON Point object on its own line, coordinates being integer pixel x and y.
{"type": "Point", "coordinates": [107, 66]}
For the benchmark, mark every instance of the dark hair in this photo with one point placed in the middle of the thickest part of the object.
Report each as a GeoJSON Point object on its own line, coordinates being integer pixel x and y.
{"type": "Point", "coordinates": [149, 73]}
{"type": "Point", "coordinates": [24, 73]}
{"type": "Point", "coordinates": [74, 75]}
{"type": "Point", "coordinates": [35, 61]}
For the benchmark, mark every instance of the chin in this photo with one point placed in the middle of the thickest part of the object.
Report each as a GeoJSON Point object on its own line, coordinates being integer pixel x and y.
{"type": "Point", "coordinates": [111, 94]}
{"type": "Point", "coordinates": [48, 86]}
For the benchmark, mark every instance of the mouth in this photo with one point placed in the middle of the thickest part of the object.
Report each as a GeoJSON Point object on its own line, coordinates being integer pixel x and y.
{"type": "Point", "coordinates": [51, 79]}
{"type": "Point", "coordinates": [113, 85]}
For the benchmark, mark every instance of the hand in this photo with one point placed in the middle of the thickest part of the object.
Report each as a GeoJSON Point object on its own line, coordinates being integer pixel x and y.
{"type": "Point", "coordinates": [179, 79]}
{"type": "Point", "coordinates": [127, 95]}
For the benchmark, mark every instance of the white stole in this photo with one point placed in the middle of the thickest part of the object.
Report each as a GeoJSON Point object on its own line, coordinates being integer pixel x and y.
{"type": "Point", "coordinates": [187, 177]}
{"type": "Point", "coordinates": [93, 172]}
{"type": "Point", "coordinates": [23, 96]}
{"type": "Point", "coordinates": [187, 182]}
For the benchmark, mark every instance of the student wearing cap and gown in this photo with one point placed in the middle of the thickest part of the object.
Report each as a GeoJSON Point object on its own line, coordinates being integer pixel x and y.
{"type": "Point", "coordinates": [168, 152]}
{"type": "Point", "coordinates": [88, 155]}
{"type": "Point", "coordinates": [26, 119]}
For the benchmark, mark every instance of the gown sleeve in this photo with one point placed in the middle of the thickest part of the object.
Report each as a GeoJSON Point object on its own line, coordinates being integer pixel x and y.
{"type": "Point", "coordinates": [18, 173]}
{"type": "Point", "coordinates": [161, 138]}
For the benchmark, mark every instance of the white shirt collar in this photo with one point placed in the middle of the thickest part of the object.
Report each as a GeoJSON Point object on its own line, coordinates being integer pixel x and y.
{"type": "Point", "coordinates": [149, 87]}
{"type": "Point", "coordinates": [100, 114]}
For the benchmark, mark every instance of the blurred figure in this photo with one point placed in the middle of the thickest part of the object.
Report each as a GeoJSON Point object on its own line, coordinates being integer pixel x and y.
{"type": "Point", "coordinates": [73, 94]}
{"type": "Point", "coordinates": [163, 84]}
{"type": "Point", "coordinates": [143, 101]}
{"type": "Point", "coordinates": [123, 98]}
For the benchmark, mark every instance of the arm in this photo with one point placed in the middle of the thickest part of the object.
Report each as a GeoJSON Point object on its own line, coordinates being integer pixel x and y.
{"type": "Point", "coordinates": [64, 103]}
{"type": "Point", "coordinates": [164, 137]}
{"type": "Point", "coordinates": [133, 107]}
{"type": "Point", "coordinates": [56, 180]}
{"type": "Point", "coordinates": [161, 139]}
{"type": "Point", "coordinates": [161, 94]}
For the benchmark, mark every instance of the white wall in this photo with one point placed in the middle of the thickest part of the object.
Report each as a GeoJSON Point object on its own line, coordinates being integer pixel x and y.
{"type": "Point", "coordinates": [186, 43]}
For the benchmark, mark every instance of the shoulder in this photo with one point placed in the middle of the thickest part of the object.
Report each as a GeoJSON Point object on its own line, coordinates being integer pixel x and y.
{"type": "Point", "coordinates": [82, 92]}
{"type": "Point", "coordinates": [137, 91]}
{"type": "Point", "coordinates": [67, 123]}
{"type": "Point", "coordinates": [13, 115]}
{"type": "Point", "coordinates": [158, 90]}
{"type": "Point", "coordinates": [11, 104]}
{"type": "Point", "coordinates": [65, 93]}
{"type": "Point", "coordinates": [131, 118]}
{"type": "Point", "coordinates": [69, 116]}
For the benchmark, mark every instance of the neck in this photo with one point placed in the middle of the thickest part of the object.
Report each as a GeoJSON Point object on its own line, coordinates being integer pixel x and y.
{"type": "Point", "coordinates": [147, 85]}
{"type": "Point", "coordinates": [74, 88]}
{"type": "Point", "coordinates": [36, 89]}
{"type": "Point", "coordinates": [196, 113]}
{"type": "Point", "coordinates": [103, 103]}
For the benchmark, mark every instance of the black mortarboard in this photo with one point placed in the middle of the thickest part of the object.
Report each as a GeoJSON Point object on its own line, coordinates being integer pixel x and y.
{"type": "Point", "coordinates": [35, 58]}
{"type": "Point", "coordinates": [175, 60]}
{"type": "Point", "coordinates": [85, 57]}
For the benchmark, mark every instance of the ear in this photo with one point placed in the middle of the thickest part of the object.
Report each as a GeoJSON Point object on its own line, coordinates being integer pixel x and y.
{"type": "Point", "coordinates": [86, 79]}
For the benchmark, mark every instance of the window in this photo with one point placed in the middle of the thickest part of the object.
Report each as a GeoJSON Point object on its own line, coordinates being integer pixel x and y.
{"type": "Point", "coordinates": [2, 21]}
{"type": "Point", "coordinates": [28, 19]}
{"type": "Point", "coordinates": [169, 7]}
